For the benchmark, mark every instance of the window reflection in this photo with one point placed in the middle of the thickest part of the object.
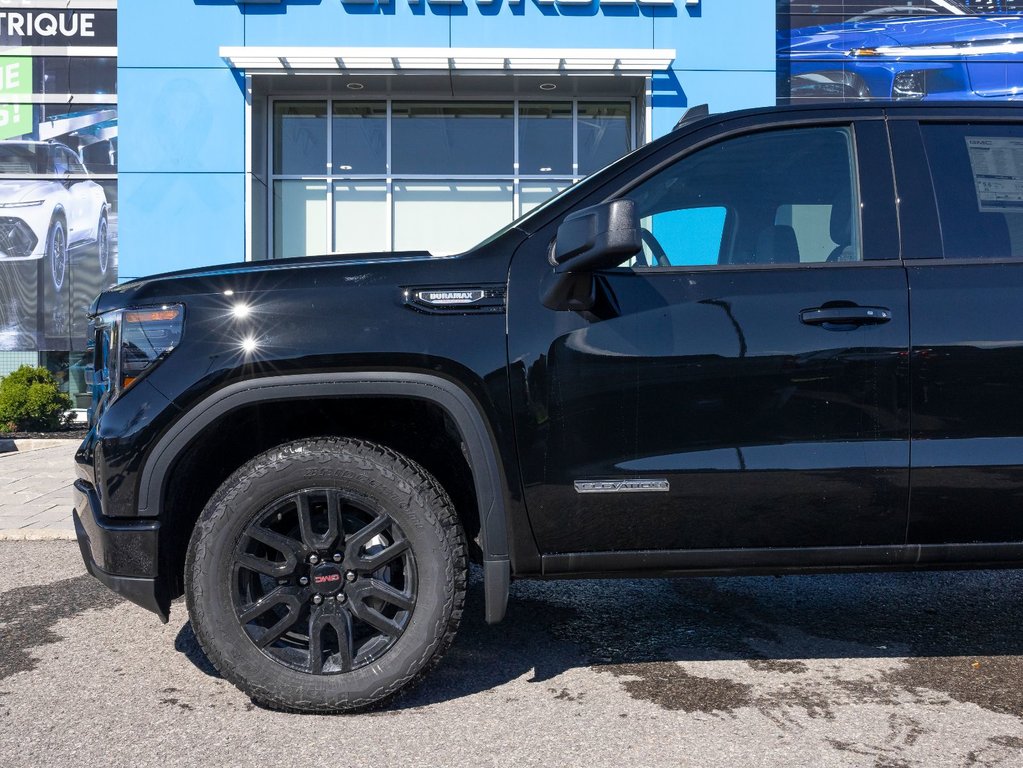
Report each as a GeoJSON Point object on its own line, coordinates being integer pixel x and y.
{"type": "Point", "coordinates": [533, 194]}
{"type": "Point", "coordinates": [453, 173]}
{"type": "Point", "coordinates": [300, 138]}
{"type": "Point", "coordinates": [300, 218]}
{"type": "Point", "coordinates": [545, 138]}
{"type": "Point", "coordinates": [360, 217]}
{"type": "Point", "coordinates": [431, 215]}
{"type": "Point", "coordinates": [453, 138]}
{"type": "Point", "coordinates": [359, 135]}
{"type": "Point", "coordinates": [605, 134]}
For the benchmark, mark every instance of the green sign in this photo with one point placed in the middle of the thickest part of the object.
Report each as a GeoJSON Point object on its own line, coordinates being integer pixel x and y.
{"type": "Point", "coordinates": [15, 80]}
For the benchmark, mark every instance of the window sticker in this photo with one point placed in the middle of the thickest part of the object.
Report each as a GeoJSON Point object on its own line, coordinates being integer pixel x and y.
{"type": "Point", "coordinates": [997, 172]}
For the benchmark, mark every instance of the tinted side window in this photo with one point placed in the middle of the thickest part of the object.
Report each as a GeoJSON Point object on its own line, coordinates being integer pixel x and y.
{"type": "Point", "coordinates": [778, 197]}
{"type": "Point", "coordinates": [977, 173]}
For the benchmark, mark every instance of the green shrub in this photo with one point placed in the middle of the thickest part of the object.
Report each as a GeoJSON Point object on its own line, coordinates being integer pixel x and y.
{"type": "Point", "coordinates": [30, 399]}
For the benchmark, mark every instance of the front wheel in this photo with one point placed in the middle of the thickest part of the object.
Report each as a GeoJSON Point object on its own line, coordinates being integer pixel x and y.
{"type": "Point", "coordinates": [326, 575]}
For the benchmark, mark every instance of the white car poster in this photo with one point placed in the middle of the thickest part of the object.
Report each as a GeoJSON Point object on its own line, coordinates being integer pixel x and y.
{"type": "Point", "coordinates": [58, 182]}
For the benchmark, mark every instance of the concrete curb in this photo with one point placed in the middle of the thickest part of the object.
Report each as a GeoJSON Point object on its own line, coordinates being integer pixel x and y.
{"type": "Point", "coordinates": [8, 445]}
{"type": "Point", "coordinates": [36, 534]}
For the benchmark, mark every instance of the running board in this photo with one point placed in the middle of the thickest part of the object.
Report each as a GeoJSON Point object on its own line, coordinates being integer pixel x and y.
{"type": "Point", "coordinates": [782, 560]}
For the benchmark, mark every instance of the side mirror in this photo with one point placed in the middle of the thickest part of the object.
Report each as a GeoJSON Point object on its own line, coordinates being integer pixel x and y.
{"type": "Point", "coordinates": [594, 238]}
{"type": "Point", "coordinates": [603, 235]}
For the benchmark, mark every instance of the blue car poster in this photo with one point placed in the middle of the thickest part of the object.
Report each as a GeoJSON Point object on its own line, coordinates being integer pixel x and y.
{"type": "Point", "coordinates": [906, 50]}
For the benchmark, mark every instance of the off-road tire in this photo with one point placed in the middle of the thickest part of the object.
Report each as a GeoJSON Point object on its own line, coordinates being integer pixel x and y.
{"type": "Point", "coordinates": [399, 488]}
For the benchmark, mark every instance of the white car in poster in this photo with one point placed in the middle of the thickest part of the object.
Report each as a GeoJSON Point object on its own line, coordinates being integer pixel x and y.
{"type": "Point", "coordinates": [48, 206]}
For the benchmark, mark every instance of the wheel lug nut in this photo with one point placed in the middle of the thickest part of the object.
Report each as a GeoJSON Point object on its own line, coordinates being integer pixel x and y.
{"type": "Point", "coordinates": [338, 557]}
{"type": "Point", "coordinates": [341, 597]}
{"type": "Point", "coordinates": [304, 581]}
{"type": "Point", "coordinates": [313, 559]}
{"type": "Point", "coordinates": [350, 576]}
{"type": "Point", "coordinates": [317, 599]}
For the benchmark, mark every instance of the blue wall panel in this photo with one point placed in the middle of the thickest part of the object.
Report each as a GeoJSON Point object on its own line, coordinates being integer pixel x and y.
{"type": "Point", "coordinates": [174, 221]}
{"type": "Point", "coordinates": [331, 22]}
{"type": "Point", "coordinates": [719, 37]}
{"type": "Point", "coordinates": [723, 91]}
{"type": "Point", "coordinates": [183, 120]}
{"type": "Point", "coordinates": [532, 26]}
{"type": "Point", "coordinates": [176, 33]}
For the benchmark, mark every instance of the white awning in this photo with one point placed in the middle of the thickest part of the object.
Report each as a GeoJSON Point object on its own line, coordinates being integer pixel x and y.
{"type": "Point", "coordinates": [548, 61]}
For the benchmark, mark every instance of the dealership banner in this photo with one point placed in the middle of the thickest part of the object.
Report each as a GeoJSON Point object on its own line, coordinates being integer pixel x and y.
{"type": "Point", "coordinates": [948, 50]}
{"type": "Point", "coordinates": [58, 187]}
{"type": "Point", "coordinates": [57, 27]}
{"type": "Point", "coordinates": [15, 81]}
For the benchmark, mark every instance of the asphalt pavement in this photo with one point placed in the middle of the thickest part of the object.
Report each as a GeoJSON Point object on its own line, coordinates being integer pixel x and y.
{"type": "Point", "coordinates": [878, 670]}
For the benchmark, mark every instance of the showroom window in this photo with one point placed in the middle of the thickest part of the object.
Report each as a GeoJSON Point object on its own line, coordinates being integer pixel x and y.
{"type": "Point", "coordinates": [351, 177]}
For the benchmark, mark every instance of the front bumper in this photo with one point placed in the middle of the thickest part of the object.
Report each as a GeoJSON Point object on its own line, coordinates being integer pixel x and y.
{"type": "Point", "coordinates": [122, 554]}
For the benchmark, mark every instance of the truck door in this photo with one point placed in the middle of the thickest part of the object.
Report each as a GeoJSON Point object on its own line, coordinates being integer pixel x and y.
{"type": "Point", "coordinates": [961, 186]}
{"type": "Point", "coordinates": [747, 385]}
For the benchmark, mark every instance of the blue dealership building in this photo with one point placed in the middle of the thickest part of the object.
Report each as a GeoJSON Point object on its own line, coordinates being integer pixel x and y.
{"type": "Point", "coordinates": [276, 129]}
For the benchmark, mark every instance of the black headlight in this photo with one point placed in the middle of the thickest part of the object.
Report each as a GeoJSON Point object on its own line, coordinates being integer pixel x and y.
{"type": "Point", "coordinates": [129, 343]}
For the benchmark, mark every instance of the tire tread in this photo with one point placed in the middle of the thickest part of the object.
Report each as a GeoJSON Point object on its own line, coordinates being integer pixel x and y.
{"type": "Point", "coordinates": [424, 490]}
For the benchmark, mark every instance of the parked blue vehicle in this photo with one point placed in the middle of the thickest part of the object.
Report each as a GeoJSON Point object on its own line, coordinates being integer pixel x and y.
{"type": "Point", "coordinates": [946, 57]}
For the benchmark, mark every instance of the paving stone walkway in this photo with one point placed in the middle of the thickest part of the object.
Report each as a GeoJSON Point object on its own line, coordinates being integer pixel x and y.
{"type": "Point", "coordinates": [35, 490]}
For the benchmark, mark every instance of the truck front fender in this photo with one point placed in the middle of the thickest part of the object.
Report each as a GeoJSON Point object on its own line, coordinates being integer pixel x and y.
{"type": "Point", "coordinates": [459, 405]}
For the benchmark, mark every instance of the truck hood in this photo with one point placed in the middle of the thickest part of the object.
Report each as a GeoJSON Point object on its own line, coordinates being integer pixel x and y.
{"type": "Point", "coordinates": [483, 264]}
{"type": "Point", "coordinates": [239, 276]}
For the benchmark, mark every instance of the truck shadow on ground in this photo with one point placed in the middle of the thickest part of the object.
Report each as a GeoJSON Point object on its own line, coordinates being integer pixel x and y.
{"type": "Point", "coordinates": [951, 635]}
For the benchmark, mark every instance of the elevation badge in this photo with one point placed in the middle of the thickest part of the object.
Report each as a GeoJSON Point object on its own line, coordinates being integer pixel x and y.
{"type": "Point", "coordinates": [621, 486]}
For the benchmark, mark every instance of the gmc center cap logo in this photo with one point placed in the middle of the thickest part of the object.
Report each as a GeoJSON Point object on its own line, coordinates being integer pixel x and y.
{"type": "Point", "coordinates": [326, 578]}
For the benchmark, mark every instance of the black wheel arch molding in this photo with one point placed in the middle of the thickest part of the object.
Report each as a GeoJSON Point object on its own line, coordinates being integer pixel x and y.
{"type": "Point", "coordinates": [467, 415]}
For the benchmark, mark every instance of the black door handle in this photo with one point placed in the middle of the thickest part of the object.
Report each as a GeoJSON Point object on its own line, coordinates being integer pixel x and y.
{"type": "Point", "coordinates": [846, 317]}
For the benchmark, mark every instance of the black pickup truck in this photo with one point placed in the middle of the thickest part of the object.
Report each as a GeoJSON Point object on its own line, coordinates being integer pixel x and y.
{"type": "Point", "coordinates": [773, 341]}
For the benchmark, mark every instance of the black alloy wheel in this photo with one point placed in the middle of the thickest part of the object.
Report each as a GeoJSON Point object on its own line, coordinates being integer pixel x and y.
{"type": "Point", "coordinates": [326, 575]}
{"type": "Point", "coordinates": [323, 583]}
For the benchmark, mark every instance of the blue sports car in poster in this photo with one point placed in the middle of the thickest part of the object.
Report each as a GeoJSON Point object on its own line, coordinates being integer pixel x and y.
{"type": "Point", "coordinates": [936, 49]}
